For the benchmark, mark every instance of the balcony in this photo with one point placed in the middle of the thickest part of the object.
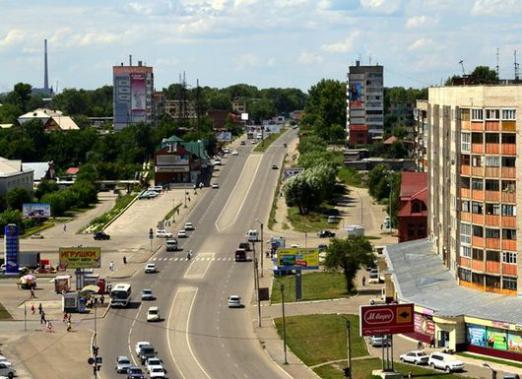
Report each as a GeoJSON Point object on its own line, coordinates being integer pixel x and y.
{"type": "Point", "coordinates": [493, 267]}
{"type": "Point", "coordinates": [509, 149]}
{"type": "Point", "coordinates": [508, 172]}
{"type": "Point", "coordinates": [492, 196]}
{"type": "Point", "coordinates": [477, 195]}
{"type": "Point", "coordinates": [508, 197]}
{"type": "Point", "coordinates": [492, 126]}
{"type": "Point", "coordinates": [509, 245]}
{"type": "Point", "coordinates": [478, 171]}
{"type": "Point", "coordinates": [493, 220]}
{"type": "Point", "coordinates": [492, 148]}
{"type": "Point", "coordinates": [509, 126]}
{"type": "Point", "coordinates": [465, 216]}
{"type": "Point", "coordinates": [493, 243]}
{"type": "Point", "coordinates": [477, 148]}
{"type": "Point", "coordinates": [465, 192]}
{"type": "Point", "coordinates": [477, 126]}
{"type": "Point", "coordinates": [477, 219]}
{"type": "Point", "coordinates": [509, 269]}
{"type": "Point", "coordinates": [465, 170]}
{"type": "Point", "coordinates": [477, 241]}
{"type": "Point", "coordinates": [509, 222]}
{"type": "Point", "coordinates": [492, 172]}
{"type": "Point", "coordinates": [465, 262]}
{"type": "Point", "coordinates": [477, 265]}
{"type": "Point", "coordinates": [465, 125]}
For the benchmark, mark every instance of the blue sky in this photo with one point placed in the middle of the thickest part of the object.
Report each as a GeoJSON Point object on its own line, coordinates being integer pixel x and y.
{"type": "Point", "coordinates": [281, 43]}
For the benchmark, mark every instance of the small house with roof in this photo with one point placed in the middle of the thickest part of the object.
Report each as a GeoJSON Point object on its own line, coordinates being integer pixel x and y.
{"type": "Point", "coordinates": [413, 212]}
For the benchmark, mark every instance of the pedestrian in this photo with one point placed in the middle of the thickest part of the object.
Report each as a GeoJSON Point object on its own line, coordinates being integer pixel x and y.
{"type": "Point", "coordinates": [69, 325]}
{"type": "Point", "coordinates": [124, 260]}
{"type": "Point", "coordinates": [65, 317]}
{"type": "Point", "coordinates": [200, 185]}
{"type": "Point", "coordinates": [102, 299]}
{"type": "Point", "coordinates": [42, 318]}
{"type": "Point", "coordinates": [64, 227]}
{"type": "Point", "coordinates": [32, 309]}
{"type": "Point", "coordinates": [364, 281]}
{"type": "Point", "coordinates": [49, 326]}
{"type": "Point", "coordinates": [31, 290]}
{"type": "Point", "coordinates": [111, 266]}
{"type": "Point", "coordinates": [419, 345]}
{"type": "Point", "coordinates": [40, 308]}
{"type": "Point", "coordinates": [410, 375]}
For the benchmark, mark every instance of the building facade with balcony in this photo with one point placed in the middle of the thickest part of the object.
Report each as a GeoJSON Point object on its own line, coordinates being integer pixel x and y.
{"type": "Point", "coordinates": [420, 135]}
{"type": "Point", "coordinates": [472, 174]}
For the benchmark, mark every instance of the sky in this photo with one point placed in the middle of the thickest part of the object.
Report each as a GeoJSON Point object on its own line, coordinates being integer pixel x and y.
{"type": "Point", "coordinates": [267, 43]}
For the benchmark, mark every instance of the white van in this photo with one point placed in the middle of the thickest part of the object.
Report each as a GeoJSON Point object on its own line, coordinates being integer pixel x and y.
{"type": "Point", "coordinates": [252, 235]}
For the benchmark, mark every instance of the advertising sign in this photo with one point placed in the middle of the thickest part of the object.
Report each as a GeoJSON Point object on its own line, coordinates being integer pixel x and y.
{"type": "Point", "coordinates": [36, 210]}
{"type": "Point", "coordinates": [423, 325]}
{"type": "Point", "coordinates": [497, 339]}
{"type": "Point", "coordinates": [224, 136]}
{"type": "Point", "coordinates": [477, 335]}
{"type": "Point", "coordinates": [356, 95]}
{"type": "Point", "coordinates": [80, 257]}
{"type": "Point", "coordinates": [515, 342]}
{"type": "Point", "coordinates": [297, 259]}
{"type": "Point", "coordinates": [11, 249]}
{"type": "Point", "coordinates": [293, 171]}
{"type": "Point", "coordinates": [386, 319]}
{"type": "Point", "coordinates": [138, 92]}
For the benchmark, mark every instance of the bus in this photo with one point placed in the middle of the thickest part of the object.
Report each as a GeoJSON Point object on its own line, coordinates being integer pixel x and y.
{"type": "Point", "coordinates": [121, 295]}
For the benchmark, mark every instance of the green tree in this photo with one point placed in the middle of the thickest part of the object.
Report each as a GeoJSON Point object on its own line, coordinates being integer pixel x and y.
{"type": "Point", "coordinates": [10, 216]}
{"type": "Point", "coordinates": [350, 255]}
{"type": "Point", "coordinates": [483, 75]}
{"type": "Point", "coordinates": [17, 197]}
{"type": "Point", "coordinates": [261, 109]}
{"type": "Point", "coordinates": [46, 186]}
{"type": "Point", "coordinates": [20, 96]}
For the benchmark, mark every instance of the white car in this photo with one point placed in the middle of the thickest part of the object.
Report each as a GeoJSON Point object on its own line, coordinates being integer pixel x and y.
{"type": "Point", "coordinates": [215, 185]}
{"type": "Point", "coordinates": [322, 256]}
{"type": "Point", "coordinates": [153, 314]}
{"type": "Point", "coordinates": [157, 372]}
{"type": "Point", "coordinates": [417, 357]}
{"type": "Point", "coordinates": [234, 301]}
{"type": "Point", "coordinates": [153, 362]}
{"type": "Point", "coordinates": [146, 294]}
{"type": "Point", "coordinates": [148, 195]}
{"type": "Point", "coordinates": [4, 360]}
{"type": "Point", "coordinates": [226, 151]}
{"type": "Point", "coordinates": [162, 233]}
{"type": "Point", "coordinates": [139, 345]}
{"type": "Point", "coordinates": [7, 371]}
{"type": "Point", "coordinates": [150, 268]}
{"type": "Point", "coordinates": [235, 152]}
{"type": "Point", "coordinates": [182, 233]}
{"type": "Point", "coordinates": [189, 226]}
{"type": "Point", "coordinates": [445, 362]}
{"type": "Point", "coordinates": [379, 341]}
{"type": "Point", "coordinates": [155, 189]}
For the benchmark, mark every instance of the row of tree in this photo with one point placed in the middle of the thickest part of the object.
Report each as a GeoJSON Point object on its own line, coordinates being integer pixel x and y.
{"type": "Point", "coordinates": [384, 186]}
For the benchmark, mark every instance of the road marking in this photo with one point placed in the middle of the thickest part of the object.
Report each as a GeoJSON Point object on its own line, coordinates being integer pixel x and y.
{"type": "Point", "coordinates": [130, 332]}
{"type": "Point", "coordinates": [199, 267]}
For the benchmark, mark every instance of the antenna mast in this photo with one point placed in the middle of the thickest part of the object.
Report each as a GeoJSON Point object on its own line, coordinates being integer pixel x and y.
{"type": "Point", "coordinates": [516, 66]}
{"type": "Point", "coordinates": [498, 63]}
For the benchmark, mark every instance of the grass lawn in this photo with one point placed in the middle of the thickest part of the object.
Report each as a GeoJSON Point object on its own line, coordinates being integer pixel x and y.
{"type": "Point", "coordinates": [38, 228]}
{"type": "Point", "coordinates": [330, 372]}
{"type": "Point", "coordinates": [4, 315]}
{"type": "Point", "coordinates": [316, 286]}
{"type": "Point", "coordinates": [351, 177]}
{"type": "Point", "coordinates": [312, 222]}
{"type": "Point", "coordinates": [171, 212]}
{"type": "Point", "coordinates": [262, 146]}
{"type": "Point", "coordinates": [321, 338]}
{"type": "Point", "coordinates": [100, 222]}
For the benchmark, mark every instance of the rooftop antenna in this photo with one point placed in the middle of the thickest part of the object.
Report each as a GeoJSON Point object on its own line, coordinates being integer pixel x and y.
{"type": "Point", "coordinates": [498, 63]}
{"type": "Point", "coordinates": [517, 65]}
{"type": "Point", "coordinates": [130, 59]}
{"type": "Point", "coordinates": [46, 72]}
{"type": "Point", "coordinates": [370, 60]}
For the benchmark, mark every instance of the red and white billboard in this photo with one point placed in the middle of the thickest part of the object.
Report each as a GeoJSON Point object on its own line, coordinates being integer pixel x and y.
{"type": "Point", "coordinates": [386, 319]}
{"type": "Point", "coordinates": [138, 92]}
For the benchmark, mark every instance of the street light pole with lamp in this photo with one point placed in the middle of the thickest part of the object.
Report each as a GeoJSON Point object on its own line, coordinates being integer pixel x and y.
{"type": "Point", "coordinates": [347, 328]}
{"type": "Point", "coordinates": [493, 371]}
{"type": "Point", "coordinates": [262, 246]}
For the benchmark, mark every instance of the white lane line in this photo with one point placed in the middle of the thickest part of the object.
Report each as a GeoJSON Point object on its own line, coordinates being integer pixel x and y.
{"type": "Point", "coordinates": [187, 336]}
{"type": "Point", "coordinates": [130, 332]}
{"type": "Point", "coordinates": [167, 331]}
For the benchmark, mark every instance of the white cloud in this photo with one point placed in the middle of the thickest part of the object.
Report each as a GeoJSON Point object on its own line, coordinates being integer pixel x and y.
{"type": "Point", "coordinates": [308, 57]}
{"type": "Point", "coordinates": [243, 3]}
{"type": "Point", "coordinates": [343, 46]}
{"type": "Point", "coordinates": [420, 44]}
{"type": "Point", "coordinates": [416, 21]}
{"type": "Point", "coordinates": [381, 6]}
{"type": "Point", "coordinates": [13, 36]}
{"type": "Point", "coordinates": [196, 25]}
{"type": "Point", "coordinates": [247, 60]}
{"type": "Point", "coordinates": [496, 7]}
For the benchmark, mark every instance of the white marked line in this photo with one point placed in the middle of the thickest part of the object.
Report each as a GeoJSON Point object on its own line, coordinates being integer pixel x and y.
{"type": "Point", "coordinates": [129, 337]}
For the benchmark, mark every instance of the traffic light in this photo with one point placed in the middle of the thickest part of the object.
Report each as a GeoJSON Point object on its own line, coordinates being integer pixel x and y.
{"type": "Point", "coordinates": [347, 372]}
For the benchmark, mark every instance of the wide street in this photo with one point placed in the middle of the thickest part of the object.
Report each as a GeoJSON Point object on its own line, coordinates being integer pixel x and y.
{"type": "Point", "coordinates": [200, 337]}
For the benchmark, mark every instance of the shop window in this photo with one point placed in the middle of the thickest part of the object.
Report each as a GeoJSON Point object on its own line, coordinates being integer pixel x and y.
{"type": "Point", "coordinates": [478, 254]}
{"type": "Point", "coordinates": [492, 255]}
{"type": "Point", "coordinates": [492, 281]}
{"type": "Point", "coordinates": [492, 209]}
{"type": "Point", "coordinates": [509, 234]}
{"type": "Point", "coordinates": [509, 257]}
{"type": "Point", "coordinates": [477, 278]}
{"type": "Point", "coordinates": [509, 284]}
{"type": "Point", "coordinates": [465, 274]}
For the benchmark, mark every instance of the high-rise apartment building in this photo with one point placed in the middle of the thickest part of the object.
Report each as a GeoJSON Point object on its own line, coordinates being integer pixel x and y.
{"type": "Point", "coordinates": [473, 175]}
{"type": "Point", "coordinates": [132, 94]}
{"type": "Point", "coordinates": [420, 135]}
{"type": "Point", "coordinates": [364, 103]}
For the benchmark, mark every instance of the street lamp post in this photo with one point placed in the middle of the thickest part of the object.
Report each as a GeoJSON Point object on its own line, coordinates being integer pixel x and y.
{"type": "Point", "coordinates": [186, 193]}
{"type": "Point", "coordinates": [347, 328]}
{"type": "Point", "coordinates": [282, 287]}
{"type": "Point", "coordinates": [493, 371]}
{"type": "Point", "coordinates": [262, 246]}
{"type": "Point", "coordinates": [256, 284]}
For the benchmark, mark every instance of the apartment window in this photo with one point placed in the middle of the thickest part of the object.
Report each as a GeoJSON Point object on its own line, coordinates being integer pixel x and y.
{"type": "Point", "coordinates": [509, 138]}
{"type": "Point", "coordinates": [465, 251]}
{"type": "Point", "coordinates": [492, 281]}
{"type": "Point", "coordinates": [509, 114]}
{"type": "Point", "coordinates": [465, 275]}
{"type": "Point", "coordinates": [476, 138]}
{"type": "Point", "coordinates": [492, 162]}
{"type": "Point", "coordinates": [492, 138]}
{"type": "Point", "coordinates": [465, 141]}
{"type": "Point", "coordinates": [509, 283]}
{"type": "Point", "coordinates": [508, 186]}
{"type": "Point", "coordinates": [509, 210]}
{"type": "Point", "coordinates": [492, 233]}
{"type": "Point", "coordinates": [465, 182]}
{"type": "Point", "coordinates": [465, 160]}
{"type": "Point", "coordinates": [477, 278]}
{"type": "Point", "coordinates": [492, 209]}
{"type": "Point", "coordinates": [492, 185]}
{"type": "Point", "coordinates": [509, 234]}
{"type": "Point", "coordinates": [477, 114]}
{"type": "Point", "coordinates": [477, 208]}
{"type": "Point", "coordinates": [465, 206]}
{"type": "Point", "coordinates": [492, 255]}
{"type": "Point", "coordinates": [508, 162]}
{"type": "Point", "coordinates": [492, 114]}
{"type": "Point", "coordinates": [465, 233]}
{"type": "Point", "coordinates": [476, 161]}
{"type": "Point", "coordinates": [477, 184]}
{"type": "Point", "coordinates": [478, 254]}
{"type": "Point", "coordinates": [478, 231]}
{"type": "Point", "coordinates": [509, 257]}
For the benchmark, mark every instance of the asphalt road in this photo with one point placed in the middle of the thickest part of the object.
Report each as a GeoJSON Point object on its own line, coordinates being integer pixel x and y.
{"type": "Point", "coordinates": [200, 337]}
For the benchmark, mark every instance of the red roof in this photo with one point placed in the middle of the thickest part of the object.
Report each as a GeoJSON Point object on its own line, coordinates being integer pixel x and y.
{"type": "Point", "coordinates": [72, 170]}
{"type": "Point", "coordinates": [391, 140]}
{"type": "Point", "coordinates": [414, 188]}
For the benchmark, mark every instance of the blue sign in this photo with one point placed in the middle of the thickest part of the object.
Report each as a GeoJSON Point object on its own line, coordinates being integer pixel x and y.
{"type": "Point", "coordinates": [11, 249]}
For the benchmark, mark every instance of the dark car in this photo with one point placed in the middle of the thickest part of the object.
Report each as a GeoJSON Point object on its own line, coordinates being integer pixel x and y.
{"type": "Point", "coordinates": [325, 234]}
{"type": "Point", "coordinates": [135, 373]}
{"type": "Point", "coordinates": [245, 246]}
{"type": "Point", "coordinates": [242, 142]}
{"type": "Point", "coordinates": [101, 236]}
{"type": "Point", "coordinates": [274, 167]}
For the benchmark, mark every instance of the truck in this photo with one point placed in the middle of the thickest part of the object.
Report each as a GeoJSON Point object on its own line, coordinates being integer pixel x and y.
{"type": "Point", "coordinates": [29, 259]}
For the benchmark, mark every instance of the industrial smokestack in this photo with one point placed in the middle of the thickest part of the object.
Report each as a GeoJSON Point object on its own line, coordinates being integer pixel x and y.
{"type": "Point", "coordinates": [46, 72]}
{"type": "Point", "coordinates": [130, 59]}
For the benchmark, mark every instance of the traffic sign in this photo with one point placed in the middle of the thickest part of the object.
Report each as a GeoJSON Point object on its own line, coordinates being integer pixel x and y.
{"type": "Point", "coordinates": [386, 319]}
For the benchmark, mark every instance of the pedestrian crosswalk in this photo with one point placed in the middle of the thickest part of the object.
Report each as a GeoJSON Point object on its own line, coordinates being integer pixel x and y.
{"type": "Point", "coordinates": [184, 259]}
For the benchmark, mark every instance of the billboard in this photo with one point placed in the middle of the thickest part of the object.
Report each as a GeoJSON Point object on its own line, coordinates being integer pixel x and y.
{"type": "Point", "coordinates": [293, 171]}
{"type": "Point", "coordinates": [297, 259]}
{"type": "Point", "coordinates": [138, 93]}
{"type": "Point", "coordinates": [36, 210]}
{"type": "Point", "coordinates": [386, 319]}
{"type": "Point", "coordinates": [244, 116]}
{"type": "Point", "coordinates": [356, 95]}
{"type": "Point", "coordinates": [11, 249]}
{"type": "Point", "coordinates": [224, 136]}
{"type": "Point", "coordinates": [80, 257]}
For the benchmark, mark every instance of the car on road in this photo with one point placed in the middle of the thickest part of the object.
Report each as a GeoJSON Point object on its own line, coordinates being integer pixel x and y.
{"type": "Point", "coordinates": [122, 364]}
{"type": "Point", "coordinates": [139, 345]}
{"type": "Point", "coordinates": [322, 247]}
{"type": "Point", "coordinates": [379, 341]}
{"type": "Point", "coordinates": [445, 362]}
{"type": "Point", "coordinates": [162, 233]}
{"type": "Point", "coordinates": [235, 152]}
{"type": "Point", "coordinates": [7, 370]}
{"type": "Point", "coordinates": [325, 234]}
{"type": "Point", "coordinates": [146, 352]}
{"type": "Point", "coordinates": [417, 357]}
{"type": "Point", "coordinates": [37, 236]}
{"type": "Point", "coordinates": [189, 226]}
{"type": "Point", "coordinates": [150, 268]}
{"type": "Point", "coordinates": [182, 233]}
{"type": "Point", "coordinates": [226, 151]}
{"type": "Point", "coordinates": [373, 276]}
{"type": "Point", "coordinates": [253, 142]}
{"type": "Point", "coordinates": [157, 189]}
{"type": "Point", "coordinates": [134, 372]}
{"type": "Point", "coordinates": [153, 362]}
{"type": "Point", "coordinates": [153, 314]}
{"type": "Point", "coordinates": [146, 294]}
{"type": "Point", "coordinates": [148, 195]}
{"type": "Point", "coordinates": [99, 236]}
{"type": "Point", "coordinates": [215, 185]}
{"type": "Point", "coordinates": [5, 361]}
{"type": "Point", "coordinates": [234, 301]}
{"type": "Point", "coordinates": [245, 245]}
{"type": "Point", "coordinates": [332, 219]}
{"type": "Point", "coordinates": [243, 143]}
{"type": "Point", "coordinates": [171, 244]}
{"type": "Point", "coordinates": [157, 372]}
{"type": "Point", "coordinates": [240, 255]}
{"type": "Point", "coordinates": [274, 167]}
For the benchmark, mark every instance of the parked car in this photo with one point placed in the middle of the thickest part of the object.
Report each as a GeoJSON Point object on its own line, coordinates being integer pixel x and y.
{"type": "Point", "coordinates": [182, 233]}
{"type": "Point", "coordinates": [417, 357]}
{"type": "Point", "coordinates": [226, 151]}
{"type": "Point", "coordinates": [445, 362]}
{"type": "Point", "coordinates": [235, 152]}
{"type": "Point", "coordinates": [7, 370]}
{"type": "Point", "coordinates": [189, 226]}
{"type": "Point", "coordinates": [234, 301]}
{"type": "Point", "coordinates": [373, 276]}
{"type": "Point", "coordinates": [4, 360]}
{"type": "Point", "coordinates": [379, 341]}
{"type": "Point", "coordinates": [245, 246]}
{"type": "Point", "coordinates": [322, 247]}
{"type": "Point", "coordinates": [148, 195]}
{"type": "Point", "coordinates": [162, 233]}
{"type": "Point", "coordinates": [215, 185]}
{"type": "Point", "coordinates": [150, 268]}
{"type": "Point", "coordinates": [508, 375]}
{"type": "Point", "coordinates": [332, 219]}
{"type": "Point", "coordinates": [146, 352]}
{"type": "Point", "coordinates": [274, 167]}
{"type": "Point", "coordinates": [146, 294]}
{"type": "Point", "coordinates": [122, 364]}
{"type": "Point", "coordinates": [37, 236]}
{"type": "Point", "coordinates": [153, 314]}
{"type": "Point", "coordinates": [139, 345]}
{"type": "Point", "coordinates": [157, 372]}
{"type": "Point", "coordinates": [157, 189]}
{"type": "Point", "coordinates": [134, 372]}
{"type": "Point", "coordinates": [325, 234]}
{"type": "Point", "coordinates": [101, 236]}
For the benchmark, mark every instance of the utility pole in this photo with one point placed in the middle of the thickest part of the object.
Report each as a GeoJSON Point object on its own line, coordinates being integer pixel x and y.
{"type": "Point", "coordinates": [282, 286]}
{"type": "Point", "coordinates": [256, 284]}
{"type": "Point", "coordinates": [262, 246]}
